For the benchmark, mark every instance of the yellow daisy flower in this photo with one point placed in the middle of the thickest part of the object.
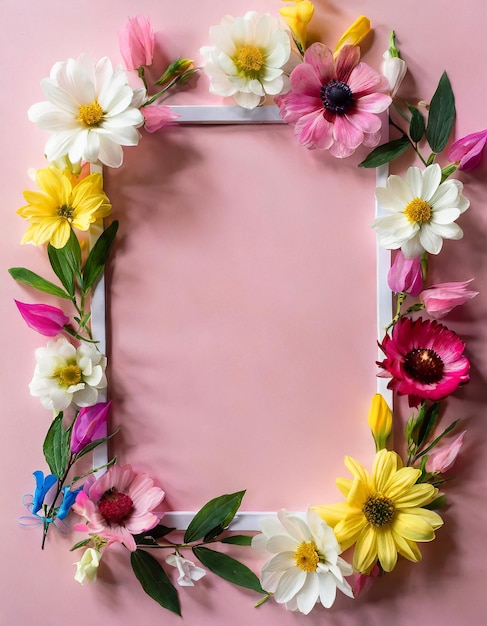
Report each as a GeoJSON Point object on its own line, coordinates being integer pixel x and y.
{"type": "Point", "coordinates": [61, 204]}
{"type": "Point", "coordinates": [382, 513]}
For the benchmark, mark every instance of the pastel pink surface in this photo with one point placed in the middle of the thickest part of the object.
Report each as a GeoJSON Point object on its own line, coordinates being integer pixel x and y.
{"type": "Point", "coordinates": [241, 312]}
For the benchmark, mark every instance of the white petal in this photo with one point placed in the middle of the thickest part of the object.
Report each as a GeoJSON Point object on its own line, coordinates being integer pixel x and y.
{"type": "Point", "coordinates": [328, 589]}
{"type": "Point", "coordinates": [309, 593]}
{"type": "Point", "coordinates": [431, 181]}
{"type": "Point", "coordinates": [290, 584]}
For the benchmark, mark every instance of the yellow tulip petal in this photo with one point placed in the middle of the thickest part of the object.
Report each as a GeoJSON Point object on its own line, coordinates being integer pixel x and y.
{"type": "Point", "coordinates": [386, 549]}
{"type": "Point", "coordinates": [354, 34]}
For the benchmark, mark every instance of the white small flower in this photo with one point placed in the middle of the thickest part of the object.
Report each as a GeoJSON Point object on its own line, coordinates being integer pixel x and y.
{"type": "Point", "coordinates": [420, 211]}
{"type": "Point", "coordinates": [305, 568]}
{"type": "Point", "coordinates": [247, 58]}
{"type": "Point", "coordinates": [91, 112]}
{"type": "Point", "coordinates": [87, 568]}
{"type": "Point", "coordinates": [394, 69]}
{"type": "Point", "coordinates": [188, 571]}
{"type": "Point", "coordinates": [65, 374]}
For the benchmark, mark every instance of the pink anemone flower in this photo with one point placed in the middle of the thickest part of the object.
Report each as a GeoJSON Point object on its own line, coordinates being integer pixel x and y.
{"type": "Point", "coordinates": [425, 360]}
{"type": "Point", "coordinates": [335, 104]}
{"type": "Point", "coordinates": [118, 505]}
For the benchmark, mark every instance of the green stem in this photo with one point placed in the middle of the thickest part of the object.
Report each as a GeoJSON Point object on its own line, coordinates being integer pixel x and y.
{"type": "Point", "coordinates": [60, 485]}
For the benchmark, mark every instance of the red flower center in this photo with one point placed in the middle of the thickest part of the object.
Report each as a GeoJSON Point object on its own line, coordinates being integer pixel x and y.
{"type": "Point", "coordinates": [336, 96]}
{"type": "Point", "coordinates": [424, 365]}
{"type": "Point", "coordinates": [115, 506]}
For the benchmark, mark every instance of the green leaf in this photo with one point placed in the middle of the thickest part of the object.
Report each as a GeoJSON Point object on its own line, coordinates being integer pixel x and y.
{"type": "Point", "coordinates": [431, 415]}
{"type": "Point", "coordinates": [239, 540]}
{"type": "Point", "coordinates": [386, 152]}
{"type": "Point", "coordinates": [439, 438]}
{"type": "Point", "coordinates": [437, 503]}
{"type": "Point", "coordinates": [26, 277]}
{"type": "Point", "coordinates": [150, 536]}
{"type": "Point", "coordinates": [416, 125]}
{"type": "Point", "coordinates": [95, 263]}
{"type": "Point", "coordinates": [228, 568]}
{"type": "Point", "coordinates": [66, 262]}
{"type": "Point", "coordinates": [441, 115]}
{"type": "Point", "coordinates": [213, 517]}
{"type": "Point", "coordinates": [80, 544]}
{"type": "Point", "coordinates": [154, 580]}
{"type": "Point", "coordinates": [56, 446]}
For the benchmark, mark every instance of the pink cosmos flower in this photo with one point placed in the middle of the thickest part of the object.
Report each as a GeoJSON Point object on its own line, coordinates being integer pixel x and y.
{"type": "Point", "coordinates": [424, 359]}
{"type": "Point", "coordinates": [441, 298]}
{"type": "Point", "coordinates": [136, 41]}
{"type": "Point", "coordinates": [443, 459]}
{"type": "Point", "coordinates": [156, 116]}
{"type": "Point", "coordinates": [405, 275]}
{"type": "Point", "coordinates": [90, 424]}
{"type": "Point", "coordinates": [45, 319]}
{"type": "Point", "coordinates": [118, 505]}
{"type": "Point", "coordinates": [335, 105]}
{"type": "Point", "coordinates": [467, 151]}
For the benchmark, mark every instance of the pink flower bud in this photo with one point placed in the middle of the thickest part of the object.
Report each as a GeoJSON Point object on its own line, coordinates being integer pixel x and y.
{"type": "Point", "coordinates": [90, 424]}
{"type": "Point", "coordinates": [45, 319]}
{"type": "Point", "coordinates": [441, 298]}
{"type": "Point", "coordinates": [405, 275]}
{"type": "Point", "coordinates": [467, 151]}
{"type": "Point", "coordinates": [156, 116]}
{"type": "Point", "coordinates": [443, 459]}
{"type": "Point", "coordinates": [364, 581]}
{"type": "Point", "coordinates": [136, 41]}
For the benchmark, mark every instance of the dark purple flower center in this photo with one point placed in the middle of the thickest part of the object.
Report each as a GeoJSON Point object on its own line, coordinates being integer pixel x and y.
{"type": "Point", "coordinates": [424, 365]}
{"type": "Point", "coordinates": [115, 506]}
{"type": "Point", "coordinates": [336, 96]}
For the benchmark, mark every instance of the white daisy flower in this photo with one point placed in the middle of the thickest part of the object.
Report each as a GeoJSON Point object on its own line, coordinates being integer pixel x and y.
{"type": "Point", "coordinates": [91, 112]}
{"type": "Point", "coordinates": [420, 211]}
{"type": "Point", "coordinates": [305, 567]}
{"type": "Point", "coordinates": [65, 374]}
{"type": "Point", "coordinates": [247, 57]}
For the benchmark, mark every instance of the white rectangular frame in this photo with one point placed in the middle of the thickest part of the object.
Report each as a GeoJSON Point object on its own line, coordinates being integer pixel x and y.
{"type": "Point", "coordinates": [218, 115]}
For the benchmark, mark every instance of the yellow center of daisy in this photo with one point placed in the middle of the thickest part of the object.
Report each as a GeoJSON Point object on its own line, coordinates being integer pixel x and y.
{"type": "Point", "coordinates": [418, 211]}
{"type": "Point", "coordinates": [378, 510]}
{"type": "Point", "coordinates": [306, 556]}
{"type": "Point", "coordinates": [249, 59]}
{"type": "Point", "coordinates": [69, 375]}
{"type": "Point", "coordinates": [90, 114]}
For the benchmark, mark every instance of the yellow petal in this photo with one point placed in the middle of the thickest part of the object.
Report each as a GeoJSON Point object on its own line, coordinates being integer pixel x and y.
{"type": "Point", "coordinates": [365, 553]}
{"type": "Point", "coordinates": [357, 470]}
{"type": "Point", "coordinates": [386, 549]}
{"type": "Point", "coordinates": [413, 527]}
{"type": "Point", "coordinates": [331, 513]}
{"type": "Point", "coordinates": [385, 466]}
{"type": "Point", "coordinates": [349, 529]}
{"type": "Point", "coordinates": [354, 34]}
{"type": "Point", "coordinates": [415, 496]}
{"type": "Point", "coordinates": [401, 482]}
{"type": "Point", "coordinates": [344, 485]}
{"type": "Point", "coordinates": [297, 17]}
{"type": "Point", "coordinates": [380, 421]}
{"type": "Point", "coordinates": [406, 548]}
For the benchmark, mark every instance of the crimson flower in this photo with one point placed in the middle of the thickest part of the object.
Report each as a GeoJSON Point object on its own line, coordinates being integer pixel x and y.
{"type": "Point", "coordinates": [425, 360]}
{"type": "Point", "coordinates": [118, 505]}
{"type": "Point", "coordinates": [335, 105]}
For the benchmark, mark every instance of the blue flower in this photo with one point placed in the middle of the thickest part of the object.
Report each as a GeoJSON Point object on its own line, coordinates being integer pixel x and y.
{"type": "Point", "coordinates": [43, 485]}
{"type": "Point", "coordinates": [68, 500]}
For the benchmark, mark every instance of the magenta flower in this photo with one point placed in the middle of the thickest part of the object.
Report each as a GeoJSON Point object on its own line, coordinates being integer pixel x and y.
{"type": "Point", "coordinates": [136, 41]}
{"type": "Point", "coordinates": [156, 116]}
{"type": "Point", "coordinates": [364, 581]}
{"type": "Point", "coordinates": [90, 424]}
{"type": "Point", "coordinates": [444, 458]}
{"type": "Point", "coordinates": [335, 105]}
{"type": "Point", "coordinates": [467, 151]}
{"type": "Point", "coordinates": [441, 298]}
{"type": "Point", "coordinates": [424, 359]}
{"type": "Point", "coordinates": [118, 505]}
{"type": "Point", "coordinates": [405, 275]}
{"type": "Point", "coordinates": [45, 319]}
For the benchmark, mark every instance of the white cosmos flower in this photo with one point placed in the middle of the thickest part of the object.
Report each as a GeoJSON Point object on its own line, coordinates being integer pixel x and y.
{"type": "Point", "coordinates": [91, 111]}
{"type": "Point", "coordinates": [65, 374]}
{"type": "Point", "coordinates": [247, 57]}
{"type": "Point", "coordinates": [188, 571]}
{"type": "Point", "coordinates": [305, 567]}
{"type": "Point", "coordinates": [420, 211]}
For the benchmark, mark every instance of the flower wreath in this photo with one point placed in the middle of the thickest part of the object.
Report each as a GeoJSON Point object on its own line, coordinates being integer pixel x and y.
{"type": "Point", "coordinates": [334, 101]}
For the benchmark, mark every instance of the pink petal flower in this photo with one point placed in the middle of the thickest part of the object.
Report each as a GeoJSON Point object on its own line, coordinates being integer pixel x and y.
{"type": "Point", "coordinates": [156, 116]}
{"type": "Point", "coordinates": [443, 459]}
{"type": "Point", "coordinates": [405, 275]}
{"type": "Point", "coordinates": [45, 319]}
{"type": "Point", "coordinates": [441, 298]}
{"type": "Point", "coordinates": [119, 504]}
{"type": "Point", "coordinates": [136, 41]}
{"type": "Point", "coordinates": [90, 424]}
{"type": "Point", "coordinates": [364, 581]}
{"type": "Point", "coordinates": [334, 105]}
{"type": "Point", "coordinates": [468, 150]}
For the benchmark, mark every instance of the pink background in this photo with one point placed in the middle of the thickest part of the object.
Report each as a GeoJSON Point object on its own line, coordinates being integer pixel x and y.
{"type": "Point", "coordinates": [242, 337]}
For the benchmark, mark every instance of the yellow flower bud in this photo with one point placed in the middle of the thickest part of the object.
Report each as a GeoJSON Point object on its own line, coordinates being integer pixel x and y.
{"type": "Point", "coordinates": [176, 68]}
{"type": "Point", "coordinates": [354, 34]}
{"type": "Point", "coordinates": [380, 421]}
{"type": "Point", "coordinates": [297, 17]}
